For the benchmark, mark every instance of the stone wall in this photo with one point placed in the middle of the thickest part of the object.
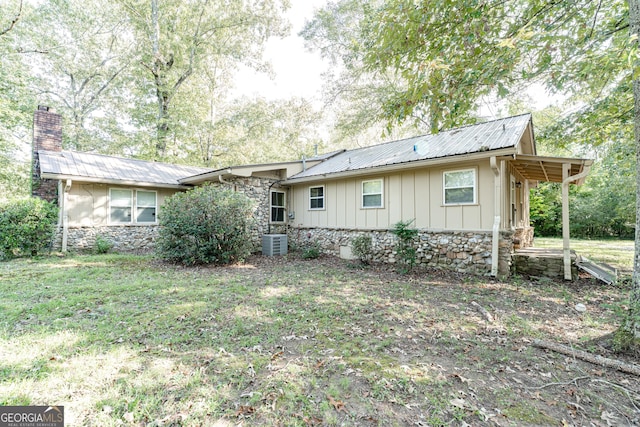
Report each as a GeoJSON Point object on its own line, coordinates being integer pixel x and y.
{"type": "Point", "coordinates": [258, 189]}
{"type": "Point", "coordinates": [125, 238]}
{"type": "Point", "coordinates": [523, 237]}
{"type": "Point", "coordinates": [465, 252]}
{"type": "Point", "coordinates": [541, 262]}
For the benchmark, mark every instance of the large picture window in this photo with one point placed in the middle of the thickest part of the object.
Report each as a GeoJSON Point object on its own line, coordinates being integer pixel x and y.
{"type": "Point", "coordinates": [372, 193]}
{"type": "Point", "coordinates": [316, 198]}
{"type": "Point", "coordinates": [131, 206]}
{"type": "Point", "coordinates": [460, 187]}
{"type": "Point", "coordinates": [277, 206]}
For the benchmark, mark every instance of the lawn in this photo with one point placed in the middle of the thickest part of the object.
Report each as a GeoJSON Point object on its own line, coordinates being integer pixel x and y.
{"type": "Point", "coordinates": [126, 340]}
{"type": "Point", "coordinates": [617, 253]}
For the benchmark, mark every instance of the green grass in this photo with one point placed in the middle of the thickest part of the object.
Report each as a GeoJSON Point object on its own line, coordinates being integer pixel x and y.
{"type": "Point", "coordinates": [126, 340]}
{"type": "Point", "coordinates": [617, 253]}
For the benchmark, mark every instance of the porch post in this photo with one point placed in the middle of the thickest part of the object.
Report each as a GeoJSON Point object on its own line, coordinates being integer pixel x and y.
{"type": "Point", "coordinates": [495, 236]}
{"type": "Point", "coordinates": [65, 215]}
{"type": "Point", "coordinates": [566, 250]}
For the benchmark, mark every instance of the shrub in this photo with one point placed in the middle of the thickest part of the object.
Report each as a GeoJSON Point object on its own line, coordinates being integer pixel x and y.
{"type": "Point", "coordinates": [205, 225]}
{"type": "Point", "coordinates": [405, 247]}
{"type": "Point", "coordinates": [26, 227]}
{"type": "Point", "coordinates": [103, 245]}
{"type": "Point", "coordinates": [361, 246]}
{"type": "Point", "coordinates": [311, 250]}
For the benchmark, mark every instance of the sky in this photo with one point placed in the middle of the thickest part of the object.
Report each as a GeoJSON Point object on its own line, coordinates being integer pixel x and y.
{"type": "Point", "coordinates": [297, 71]}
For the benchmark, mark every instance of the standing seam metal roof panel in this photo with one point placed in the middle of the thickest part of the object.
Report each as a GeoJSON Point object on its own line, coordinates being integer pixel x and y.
{"type": "Point", "coordinates": [87, 165]}
{"type": "Point", "coordinates": [493, 135]}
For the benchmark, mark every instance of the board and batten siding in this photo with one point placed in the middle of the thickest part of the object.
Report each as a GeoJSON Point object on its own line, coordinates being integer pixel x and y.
{"type": "Point", "coordinates": [409, 194]}
{"type": "Point", "coordinates": [88, 203]}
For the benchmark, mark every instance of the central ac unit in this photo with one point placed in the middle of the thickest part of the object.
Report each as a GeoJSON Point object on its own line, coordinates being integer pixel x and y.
{"type": "Point", "coordinates": [274, 244]}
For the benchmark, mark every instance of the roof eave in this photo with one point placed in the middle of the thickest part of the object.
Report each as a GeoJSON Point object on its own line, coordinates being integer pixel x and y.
{"type": "Point", "coordinates": [63, 177]}
{"type": "Point", "coordinates": [510, 151]}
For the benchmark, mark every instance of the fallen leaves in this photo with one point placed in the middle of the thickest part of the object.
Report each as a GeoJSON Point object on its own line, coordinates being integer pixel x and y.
{"type": "Point", "coordinates": [245, 411]}
{"type": "Point", "coordinates": [337, 404]}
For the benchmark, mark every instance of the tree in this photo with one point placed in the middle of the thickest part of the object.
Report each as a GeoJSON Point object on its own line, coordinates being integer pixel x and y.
{"type": "Point", "coordinates": [177, 40]}
{"type": "Point", "coordinates": [632, 326]}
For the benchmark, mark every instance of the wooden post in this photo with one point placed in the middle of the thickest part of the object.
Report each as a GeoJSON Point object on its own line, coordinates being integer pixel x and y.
{"type": "Point", "coordinates": [566, 250]}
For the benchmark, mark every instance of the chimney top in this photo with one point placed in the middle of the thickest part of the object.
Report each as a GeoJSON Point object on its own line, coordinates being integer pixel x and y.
{"type": "Point", "coordinates": [47, 130]}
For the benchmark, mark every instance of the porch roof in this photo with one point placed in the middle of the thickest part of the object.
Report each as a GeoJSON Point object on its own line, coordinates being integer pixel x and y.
{"type": "Point", "coordinates": [541, 168]}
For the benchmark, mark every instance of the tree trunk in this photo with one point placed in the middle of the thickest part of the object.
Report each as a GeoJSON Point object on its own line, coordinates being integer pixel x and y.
{"type": "Point", "coordinates": [633, 325]}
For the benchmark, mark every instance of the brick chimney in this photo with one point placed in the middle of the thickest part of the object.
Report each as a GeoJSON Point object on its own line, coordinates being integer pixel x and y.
{"type": "Point", "coordinates": [47, 135]}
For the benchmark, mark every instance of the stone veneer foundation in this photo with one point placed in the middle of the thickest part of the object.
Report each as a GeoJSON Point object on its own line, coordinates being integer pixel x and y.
{"type": "Point", "coordinates": [125, 238]}
{"type": "Point", "coordinates": [465, 252]}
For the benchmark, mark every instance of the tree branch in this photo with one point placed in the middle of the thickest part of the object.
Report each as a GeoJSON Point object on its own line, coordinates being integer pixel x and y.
{"type": "Point", "coordinates": [13, 22]}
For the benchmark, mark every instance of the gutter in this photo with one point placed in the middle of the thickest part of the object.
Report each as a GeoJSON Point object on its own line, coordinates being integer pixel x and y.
{"type": "Point", "coordinates": [113, 181]}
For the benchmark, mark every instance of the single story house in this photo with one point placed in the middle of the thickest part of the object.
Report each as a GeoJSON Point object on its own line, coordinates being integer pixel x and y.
{"type": "Point", "coordinates": [466, 189]}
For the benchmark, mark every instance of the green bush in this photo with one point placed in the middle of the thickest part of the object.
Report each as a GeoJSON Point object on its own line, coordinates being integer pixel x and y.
{"type": "Point", "coordinates": [26, 227]}
{"type": "Point", "coordinates": [205, 225]}
{"type": "Point", "coordinates": [361, 246]}
{"type": "Point", "coordinates": [405, 247]}
{"type": "Point", "coordinates": [103, 245]}
{"type": "Point", "coordinates": [311, 250]}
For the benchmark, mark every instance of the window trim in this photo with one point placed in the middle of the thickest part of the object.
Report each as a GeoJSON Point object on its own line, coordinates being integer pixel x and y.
{"type": "Point", "coordinates": [363, 194]}
{"type": "Point", "coordinates": [110, 204]}
{"type": "Point", "coordinates": [133, 207]}
{"type": "Point", "coordinates": [155, 216]}
{"type": "Point", "coordinates": [283, 207]}
{"type": "Point", "coordinates": [474, 187]}
{"type": "Point", "coordinates": [323, 198]}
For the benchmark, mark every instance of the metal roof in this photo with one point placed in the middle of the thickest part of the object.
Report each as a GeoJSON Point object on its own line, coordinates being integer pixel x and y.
{"type": "Point", "coordinates": [101, 168]}
{"type": "Point", "coordinates": [488, 136]}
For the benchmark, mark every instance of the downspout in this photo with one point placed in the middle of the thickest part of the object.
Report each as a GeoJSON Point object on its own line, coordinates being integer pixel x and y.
{"type": "Point", "coordinates": [495, 240]}
{"type": "Point", "coordinates": [566, 248]}
{"type": "Point", "coordinates": [65, 216]}
{"type": "Point", "coordinates": [222, 181]}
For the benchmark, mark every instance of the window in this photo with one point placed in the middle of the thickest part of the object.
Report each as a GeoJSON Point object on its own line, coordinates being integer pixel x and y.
{"type": "Point", "coordinates": [121, 204]}
{"type": "Point", "coordinates": [277, 206]}
{"type": "Point", "coordinates": [145, 206]}
{"type": "Point", "coordinates": [372, 194]}
{"type": "Point", "coordinates": [460, 187]}
{"type": "Point", "coordinates": [316, 197]}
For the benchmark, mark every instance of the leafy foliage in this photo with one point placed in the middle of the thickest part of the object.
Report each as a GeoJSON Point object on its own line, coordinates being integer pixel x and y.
{"type": "Point", "coordinates": [103, 245]}
{"type": "Point", "coordinates": [205, 225]}
{"type": "Point", "coordinates": [405, 249]}
{"type": "Point", "coordinates": [311, 250]}
{"type": "Point", "coordinates": [362, 247]}
{"type": "Point", "coordinates": [26, 227]}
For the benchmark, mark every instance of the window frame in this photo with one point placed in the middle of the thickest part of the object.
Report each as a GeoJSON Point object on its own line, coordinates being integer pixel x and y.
{"type": "Point", "coordinates": [112, 205]}
{"type": "Point", "coordinates": [311, 198]}
{"type": "Point", "coordinates": [474, 187]}
{"type": "Point", "coordinates": [283, 207]}
{"type": "Point", "coordinates": [133, 207]}
{"type": "Point", "coordinates": [363, 194]}
{"type": "Point", "coordinates": [155, 207]}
